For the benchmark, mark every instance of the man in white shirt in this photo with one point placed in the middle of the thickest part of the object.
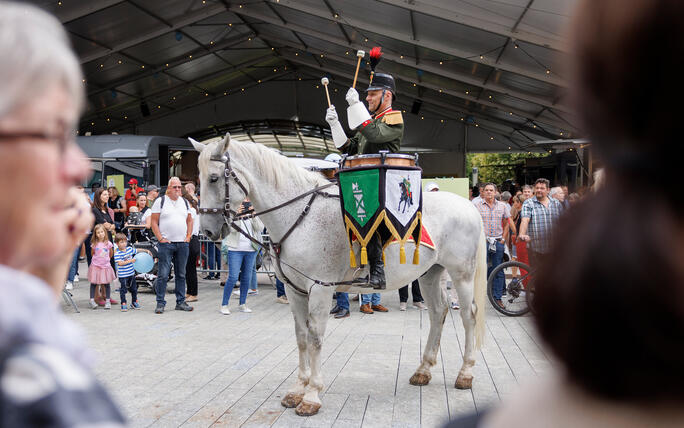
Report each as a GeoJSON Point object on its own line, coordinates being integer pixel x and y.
{"type": "Point", "coordinates": [172, 225]}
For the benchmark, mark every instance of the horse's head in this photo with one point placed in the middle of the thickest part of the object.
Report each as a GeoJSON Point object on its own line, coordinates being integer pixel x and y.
{"type": "Point", "coordinates": [212, 168]}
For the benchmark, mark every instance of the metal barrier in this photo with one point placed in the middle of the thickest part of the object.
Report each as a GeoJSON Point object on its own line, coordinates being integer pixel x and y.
{"type": "Point", "coordinates": [207, 245]}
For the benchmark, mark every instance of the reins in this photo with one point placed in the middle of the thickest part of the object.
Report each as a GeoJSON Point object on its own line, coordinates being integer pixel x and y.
{"type": "Point", "coordinates": [231, 218]}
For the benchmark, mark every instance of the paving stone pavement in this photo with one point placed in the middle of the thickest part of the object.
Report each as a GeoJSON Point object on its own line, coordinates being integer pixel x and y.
{"type": "Point", "coordinates": [202, 368]}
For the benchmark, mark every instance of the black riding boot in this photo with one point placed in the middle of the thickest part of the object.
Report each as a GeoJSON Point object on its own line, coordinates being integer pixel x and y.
{"type": "Point", "coordinates": [377, 267]}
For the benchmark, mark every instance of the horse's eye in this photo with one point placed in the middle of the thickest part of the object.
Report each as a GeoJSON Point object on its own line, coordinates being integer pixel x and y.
{"type": "Point", "coordinates": [214, 178]}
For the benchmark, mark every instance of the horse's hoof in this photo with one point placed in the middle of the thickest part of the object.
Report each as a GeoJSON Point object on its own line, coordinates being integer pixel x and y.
{"type": "Point", "coordinates": [420, 379]}
{"type": "Point", "coordinates": [307, 408]}
{"type": "Point", "coordinates": [291, 400]}
{"type": "Point", "coordinates": [463, 382]}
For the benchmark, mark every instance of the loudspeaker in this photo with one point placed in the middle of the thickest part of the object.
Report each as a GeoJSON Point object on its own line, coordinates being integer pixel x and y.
{"type": "Point", "coordinates": [144, 109]}
{"type": "Point", "coordinates": [415, 108]}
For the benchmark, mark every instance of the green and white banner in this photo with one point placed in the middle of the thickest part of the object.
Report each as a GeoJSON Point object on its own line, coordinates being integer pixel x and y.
{"type": "Point", "coordinates": [360, 193]}
{"type": "Point", "coordinates": [383, 197]}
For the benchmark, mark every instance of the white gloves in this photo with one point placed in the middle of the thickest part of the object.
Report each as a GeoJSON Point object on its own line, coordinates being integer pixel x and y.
{"type": "Point", "coordinates": [331, 116]}
{"type": "Point", "coordinates": [338, 135]}
{"type": "Point", "coordinates": [352, 96]}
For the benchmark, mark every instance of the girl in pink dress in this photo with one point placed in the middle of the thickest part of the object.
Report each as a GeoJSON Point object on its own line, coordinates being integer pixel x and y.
{"type": "Point", "coordinates": [100, 271]}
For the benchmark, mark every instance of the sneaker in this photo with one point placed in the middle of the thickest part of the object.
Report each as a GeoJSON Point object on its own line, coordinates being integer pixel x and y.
{"type": "Point", "coordinates": [209, 277]}
{"type": "Point", "coordinates": [75, 278]}
{"type": "Point", "coordinates": [455, 305]}
{"type": "Point", "coordinates": [159, 309]}
{"type": "Point", "coordinates": [225, 310]}
{"type": "Point", "coordinates": [100, 302]}
{"type": "Point", "coordinates": [92, 304]}
{"type": "Point", "coordinates": [282, 299]}
{"type": "Point", "coordinates": [113, 301]}
{"type": "Point", "coordinates": [420, 305]}
{"type": "Point", "coordinates": [108, 305]}
{"type": "Point", "coordinates": [69, 286]}
{"type": "Point", "coordinates": [402, 306]}
{"type": "Point", "coordinates": [184, 307]}
{"type": "Point", "coordinates": [135, 305]}
{"type": "Point", "coordinates": [124, 307]}
{"type": "Point", "coordinates": [252, 292]}
{"type": "Point", "coordinates": [244, 308]}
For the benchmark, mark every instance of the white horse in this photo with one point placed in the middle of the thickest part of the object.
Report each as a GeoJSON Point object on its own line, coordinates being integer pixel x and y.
{"type": "Point", "coordinates": [318, 249]}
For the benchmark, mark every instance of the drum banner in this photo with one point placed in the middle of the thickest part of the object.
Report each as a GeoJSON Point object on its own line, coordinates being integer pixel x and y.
{"type": "Point", "coordinates": [360, 191]}
{"type": "Point", "coordinates": [381, 196]}
{"type": "Point", "coordinates": [403, 206]}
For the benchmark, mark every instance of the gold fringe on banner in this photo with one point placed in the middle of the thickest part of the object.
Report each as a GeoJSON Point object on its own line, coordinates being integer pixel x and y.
{"type": "Point", "coordinates": [417, 222]}
{"type": "Point", "coordinates": [363, 241]}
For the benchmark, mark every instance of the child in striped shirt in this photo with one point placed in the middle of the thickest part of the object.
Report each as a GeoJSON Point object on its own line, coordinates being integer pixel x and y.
{"type": "Point", "coordinates": [124, 259]}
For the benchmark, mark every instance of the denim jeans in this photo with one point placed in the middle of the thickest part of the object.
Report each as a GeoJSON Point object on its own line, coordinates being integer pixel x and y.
{"type": "Point", "coordinates": [240, 263]}
{"type": "Point", "coordinates": [280, 288]}
{"type": "Point", "coordinates": [213, 258]}
{"type": "Point", "coordinates": [343, 300]}
{"type": "Point", "coordinates": [128, 283]}
{"type": "Point", "coordinates": [253, 285]}
{"type": "Point", "coordinates": [373, 299]}
{"type": "Point", "coordinates": [494, 259]}
{"type": "Point", "coordinates": [178, 252]}
{"type": "Point", "coordinates": [73, 270]}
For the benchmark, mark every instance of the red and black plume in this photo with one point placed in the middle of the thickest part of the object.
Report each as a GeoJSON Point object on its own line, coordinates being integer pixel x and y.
{"type": "Point", "coordinates": [375, 56]}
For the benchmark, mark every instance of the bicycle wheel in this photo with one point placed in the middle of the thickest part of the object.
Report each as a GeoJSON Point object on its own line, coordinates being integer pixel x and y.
{"type": "Point", "coordinates": [515, 300]}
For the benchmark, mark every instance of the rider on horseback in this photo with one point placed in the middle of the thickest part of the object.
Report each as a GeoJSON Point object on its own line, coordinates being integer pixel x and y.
{"type": "Point", "coordinates": [382, 131]}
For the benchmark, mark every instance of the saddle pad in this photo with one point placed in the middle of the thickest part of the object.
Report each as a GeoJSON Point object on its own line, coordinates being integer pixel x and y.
{"type": "Point", "coordinates": [425, 239]}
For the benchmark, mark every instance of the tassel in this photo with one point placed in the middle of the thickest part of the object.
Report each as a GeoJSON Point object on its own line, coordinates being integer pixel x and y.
{"type": "Point", "coordinates": [383, 257]}
{"type": "Point", "coordinates": [416, 256]}
{"type": "Point", "coordinates": [352, 258]}
{"type": "Point", "coordinates": [402, 255]}
{"type": "Point", "coordinates": [364, 256]}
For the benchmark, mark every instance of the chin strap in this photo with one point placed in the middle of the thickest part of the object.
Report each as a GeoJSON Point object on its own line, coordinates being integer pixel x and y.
{"type": "Point", "coordinates": [382, 98]}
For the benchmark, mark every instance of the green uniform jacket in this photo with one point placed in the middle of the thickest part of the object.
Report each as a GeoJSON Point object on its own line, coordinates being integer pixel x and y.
{"type": "Point", "coordinates": [383, 133]}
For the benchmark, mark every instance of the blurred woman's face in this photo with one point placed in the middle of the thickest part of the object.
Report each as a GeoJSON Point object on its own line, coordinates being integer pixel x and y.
{"type": "Point", "coordinates": [104, 197]}
{"type": "Point", "coordinates": [113, 193]}
{"type": "Point", "coordinates": [34, 229]}
{"type": "Point", "coordinates": [142, 201]}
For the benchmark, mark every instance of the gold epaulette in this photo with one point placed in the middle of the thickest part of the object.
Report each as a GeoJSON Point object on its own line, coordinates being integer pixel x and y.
{"type": "Point", "coordinates": [393, 118]}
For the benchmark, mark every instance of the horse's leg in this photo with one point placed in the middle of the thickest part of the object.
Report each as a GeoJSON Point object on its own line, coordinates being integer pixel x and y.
{"type": "Point", "coordinates": [299, 305]}
{"type": "Point", "coordinates": [465, 289]}
{"type": "Point", "coordinates": [438, 308]}
{"type": "Point", "coordinates": [319, 310]}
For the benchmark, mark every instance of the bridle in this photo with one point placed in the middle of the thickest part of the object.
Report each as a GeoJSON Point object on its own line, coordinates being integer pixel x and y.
{"type": "Point", "coordinates": [231, 217]}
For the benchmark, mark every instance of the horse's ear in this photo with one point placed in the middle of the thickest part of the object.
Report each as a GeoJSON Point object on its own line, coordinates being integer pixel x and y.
{"type": "Point", "coordinates": [197, 145]}
{"type": "Point", "coordinates": [222, 147]}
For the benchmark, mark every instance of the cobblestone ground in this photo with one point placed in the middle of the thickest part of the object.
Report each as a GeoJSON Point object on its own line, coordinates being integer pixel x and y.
{"type": "Point", "coordinates": [203, 368]}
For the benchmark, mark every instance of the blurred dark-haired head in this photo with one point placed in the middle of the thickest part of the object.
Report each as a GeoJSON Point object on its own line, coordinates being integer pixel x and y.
{"type": "Point", "coordinates": [614, 314]}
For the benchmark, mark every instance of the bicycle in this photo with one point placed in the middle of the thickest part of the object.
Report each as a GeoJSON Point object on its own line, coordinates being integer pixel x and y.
{"type": "Point", "coordinates": [518, 292]}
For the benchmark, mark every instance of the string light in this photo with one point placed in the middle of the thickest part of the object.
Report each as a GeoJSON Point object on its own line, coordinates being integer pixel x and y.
{"type": "Point", "coordinates": [206, 94]}
{"type": "Point", "coordinates": [92, 123]}
{"type": "Point", "coordinates": [119, 61]}
{"type": "Point", "coordinates": [548, 71]}
{"type": "Point", "coordinates": [259, 81]}
{"type": "Point", "coordinates": [125, 117]}
{"type": "Point", "coordinates": [142, 66]}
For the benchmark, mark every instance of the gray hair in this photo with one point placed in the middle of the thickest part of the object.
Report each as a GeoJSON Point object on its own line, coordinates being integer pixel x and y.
{"type": "Point", "coordinates": [554, 191]}
{"type": "Point", "coordinates": [36, 54]}
{"type": "Point", "coordinates": [506, 196]}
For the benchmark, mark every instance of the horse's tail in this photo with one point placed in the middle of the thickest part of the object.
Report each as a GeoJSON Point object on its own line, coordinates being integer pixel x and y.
{"type": "Point", "coordinates": [480, 292]}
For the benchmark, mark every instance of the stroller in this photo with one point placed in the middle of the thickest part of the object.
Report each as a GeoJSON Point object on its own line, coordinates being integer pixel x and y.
{"type": "Point", "coordinates": [147, 241]}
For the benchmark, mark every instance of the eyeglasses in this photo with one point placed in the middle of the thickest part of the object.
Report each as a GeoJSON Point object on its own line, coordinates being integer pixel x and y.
{"type": "Point", "coordinates": [62, 140]}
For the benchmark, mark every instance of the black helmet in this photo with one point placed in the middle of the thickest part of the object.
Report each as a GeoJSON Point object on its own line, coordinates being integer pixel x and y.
{"type": "Point", "coordinates": [382, 81]}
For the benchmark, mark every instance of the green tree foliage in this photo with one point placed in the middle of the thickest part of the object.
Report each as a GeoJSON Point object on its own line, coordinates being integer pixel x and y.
{"type": "Point", "coordinates": [497, 167]}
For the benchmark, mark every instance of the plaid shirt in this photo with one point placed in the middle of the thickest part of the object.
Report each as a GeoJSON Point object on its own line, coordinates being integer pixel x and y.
{"type": "Point", "coordinates": [541, 223]}
{"type": "Point", "coordinates": [492, 217]}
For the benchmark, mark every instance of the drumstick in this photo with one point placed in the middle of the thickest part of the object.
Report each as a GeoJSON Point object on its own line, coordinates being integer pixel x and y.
{"type": "Point", "coordinates": [324, 82]}
{"type": "Point", "coordinates": [359, 54]}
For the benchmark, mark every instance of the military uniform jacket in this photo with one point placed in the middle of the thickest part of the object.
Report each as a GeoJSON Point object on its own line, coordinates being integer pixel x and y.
{"type": "Point", "coordinates": [383, 132]}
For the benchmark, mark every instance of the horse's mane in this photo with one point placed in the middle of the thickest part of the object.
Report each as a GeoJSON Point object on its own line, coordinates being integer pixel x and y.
{"type": "Point", "coordinates": [270, 164]}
